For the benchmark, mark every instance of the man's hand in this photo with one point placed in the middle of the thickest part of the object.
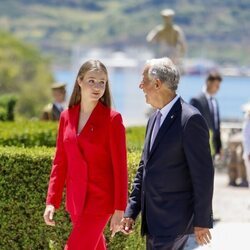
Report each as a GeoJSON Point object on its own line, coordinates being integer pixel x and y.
{"type": "Point", "coordinates": [202, 235]}
{"type": "Point", "coordinates": [48, 215]}
{"type": "Point", "coordinates": [115, 223]}
{"type": "Point", "coordinates": [127, 225]}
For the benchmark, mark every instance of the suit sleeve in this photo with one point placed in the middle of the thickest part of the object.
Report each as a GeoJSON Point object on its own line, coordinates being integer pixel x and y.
{"type": "Point", "coordinates": [59, 170]}
{"type": "Point", "coordinates": [134, 205]}
{"type": "Point", "coordinates": [197, 151]}
{"type": "Point", "coordinates": [218, 142]}
{"type": "Point", "coordinates": [119, 161]}
{"type": "Point", "coordinates": [194, 102]}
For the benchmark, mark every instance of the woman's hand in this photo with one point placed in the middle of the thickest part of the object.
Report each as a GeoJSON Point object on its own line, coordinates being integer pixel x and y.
{"type": "Point", "coordinates": [48, 215]}
{"type": "Point", "coordinates": [115, 223]}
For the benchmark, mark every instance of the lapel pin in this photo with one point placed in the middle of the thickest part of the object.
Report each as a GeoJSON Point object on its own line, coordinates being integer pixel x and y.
{"type": "Point", "coordinates": [172, 116]}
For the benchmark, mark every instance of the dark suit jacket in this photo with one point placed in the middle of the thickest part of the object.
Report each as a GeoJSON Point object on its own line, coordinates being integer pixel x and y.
{"type": "Point", "coordinates": [173, 186]}
{"type": "Point", "coordinates": [201, 103]}
{"type": "Point", "coordinates": [51, 113]}
{"type": "Point", "coordinates": [55, 113]}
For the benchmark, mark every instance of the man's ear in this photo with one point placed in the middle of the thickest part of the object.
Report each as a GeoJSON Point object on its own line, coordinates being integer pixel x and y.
{"type": "Point", "coordinates": [157, 83]}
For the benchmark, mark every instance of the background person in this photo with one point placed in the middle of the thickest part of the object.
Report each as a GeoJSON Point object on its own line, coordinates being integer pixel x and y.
{"type": "Point", "coordinates": [53, 110]}
{"type": "Point", "coordinates": [246, 139]}
{"type": "Point", "coordinates": [207, 104]}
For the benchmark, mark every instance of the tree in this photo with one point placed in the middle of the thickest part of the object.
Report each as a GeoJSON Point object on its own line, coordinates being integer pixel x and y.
{"type": "Point", "coordinates": [24, 72]}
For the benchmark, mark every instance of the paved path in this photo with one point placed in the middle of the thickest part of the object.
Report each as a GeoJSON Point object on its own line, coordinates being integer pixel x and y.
{"type": "Point", "coordinates": [232, 207]}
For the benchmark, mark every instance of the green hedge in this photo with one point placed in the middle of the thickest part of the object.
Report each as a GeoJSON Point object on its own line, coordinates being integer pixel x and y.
{"type": "Point", "coordinates": [38, 133]}
{"type": "Point", "coordinates": [135, 138]}
{"type": "Point", "coordinates": [7, 106]}
{"type": "Point", "coordinates": [28, 133]}
{"type": "Point", "coordinates": [24, 174]}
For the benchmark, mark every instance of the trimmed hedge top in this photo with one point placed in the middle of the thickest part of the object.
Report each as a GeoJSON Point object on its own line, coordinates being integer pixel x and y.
{"type": "Point", "coordinates": [28, 133]}
{"type": "Point", "coordinates": [39, 133]}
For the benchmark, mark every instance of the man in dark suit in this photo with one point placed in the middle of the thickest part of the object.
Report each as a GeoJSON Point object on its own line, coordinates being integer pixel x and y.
{"type": "Point", "coordinates": [52, 111]}
{"type": "Point", "coordinates": [208, 106]}
{"type": "Point", "coordinates": [173, 186]}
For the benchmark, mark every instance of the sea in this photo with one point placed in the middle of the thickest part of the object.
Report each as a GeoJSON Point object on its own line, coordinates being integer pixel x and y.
{"type": "Point", "coordinates": [129, 100]}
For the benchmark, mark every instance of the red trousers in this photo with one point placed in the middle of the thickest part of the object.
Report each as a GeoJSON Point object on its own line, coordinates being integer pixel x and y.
{"type": "Point", "coordinates": [87, 232]}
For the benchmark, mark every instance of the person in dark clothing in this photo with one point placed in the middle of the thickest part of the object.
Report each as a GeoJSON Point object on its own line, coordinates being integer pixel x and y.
{"type": "Point", "coordinates": [208, 106]}
{"type": "Point", "coordinates": [173, 186]}
{"type": "Point", "coordinates": [52, 111]}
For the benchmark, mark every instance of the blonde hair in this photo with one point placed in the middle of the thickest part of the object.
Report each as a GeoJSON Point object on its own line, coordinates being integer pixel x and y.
{"type": "Point", "coordinates": [88, 66]}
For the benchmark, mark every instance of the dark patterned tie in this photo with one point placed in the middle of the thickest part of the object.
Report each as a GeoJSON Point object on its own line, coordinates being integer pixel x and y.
{"type": "Point", "coordinates": [156, 128]}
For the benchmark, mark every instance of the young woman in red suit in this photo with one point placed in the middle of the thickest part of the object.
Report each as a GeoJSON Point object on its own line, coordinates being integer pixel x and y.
{"type": "Point", "coordinates": [90, 160]}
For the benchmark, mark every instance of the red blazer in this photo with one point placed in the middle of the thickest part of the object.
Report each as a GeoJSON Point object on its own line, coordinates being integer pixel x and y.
{"type": "Point", "coordinates": [93, 164]}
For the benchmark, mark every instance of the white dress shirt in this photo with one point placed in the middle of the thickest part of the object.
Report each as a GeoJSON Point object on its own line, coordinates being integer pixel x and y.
{"type": "Point", "coordinates": [165, 110]}
{"type": "Point", "coordinates": [60, 105]}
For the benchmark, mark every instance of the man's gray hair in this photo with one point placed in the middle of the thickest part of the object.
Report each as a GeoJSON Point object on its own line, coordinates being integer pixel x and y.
{"type": "Point", "coordinates": [164, 70]}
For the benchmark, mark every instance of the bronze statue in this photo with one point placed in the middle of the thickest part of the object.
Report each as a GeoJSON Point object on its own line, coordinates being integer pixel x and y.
{"type": "Point", "coordinates": [169, 38]}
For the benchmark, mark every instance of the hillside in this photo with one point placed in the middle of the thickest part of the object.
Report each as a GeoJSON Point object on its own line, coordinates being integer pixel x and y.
{"type": "Point", "coordinates": [25, 73]}
{"type": "Point", "coordinates": [214, 29]}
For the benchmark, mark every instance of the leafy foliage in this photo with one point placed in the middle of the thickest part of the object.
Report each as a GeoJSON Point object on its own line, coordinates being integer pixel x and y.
{"type": "Point", "coordinates": [7, 105]}
{"type": "Point", "coordinates": [24, 174]}
{"type": "Point", "coordinates": [208, 25]}
{"type": "Point", "coordinates": [28, 134]}
{"type": "Point", "coordinates": [24, 72]}
{"type": "Point", "coordinates": [135, 138]}
{"type": "Point", "coordinates": [39, 133]}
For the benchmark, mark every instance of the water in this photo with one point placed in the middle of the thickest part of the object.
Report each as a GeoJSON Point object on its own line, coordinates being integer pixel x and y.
{"type": "Point", "coordinates": [129, 100]}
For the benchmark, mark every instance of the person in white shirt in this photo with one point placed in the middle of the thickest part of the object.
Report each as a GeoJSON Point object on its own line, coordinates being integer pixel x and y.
{"type": "Point", "coordinates": [246, 139]}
